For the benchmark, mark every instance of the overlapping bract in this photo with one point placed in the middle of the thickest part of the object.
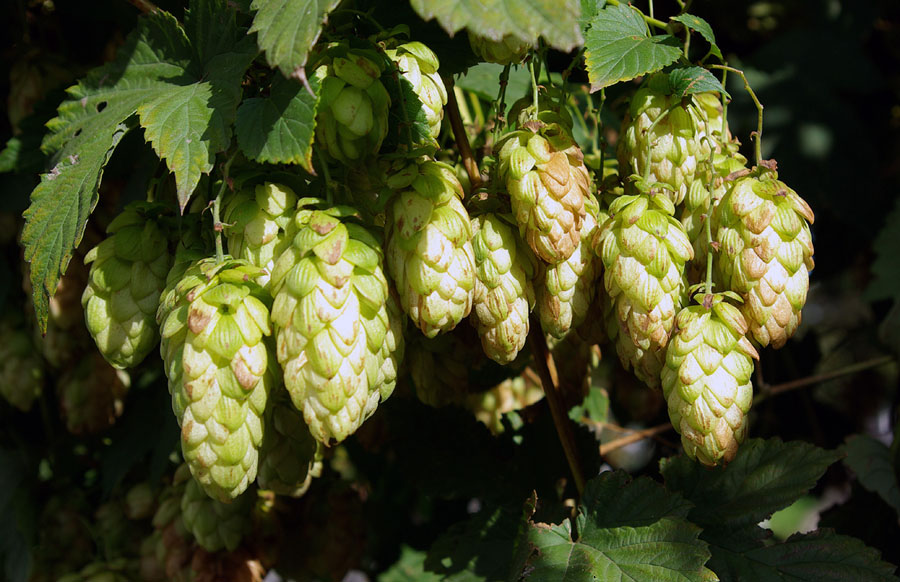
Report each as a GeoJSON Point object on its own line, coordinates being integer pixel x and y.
{"type": "Point", "coordinates": [706, 381]}
{"type": "Point", "coordinates": [352, 115]}
{"type": "Point", "coordinates": [419, 65]}
{"type": "Point", "coordinates": [504, 294]}
{"type": "Point", "coordinates": [215, 525]}
{"type": "Point", "coordinates": [213, 322]}
{"type": "Point", "coordinates": [429, 246]}
{"type": "Point", "coordinates": [644, 250]}
{"type": "Point", "coordinates": [565, 290]}
{"type": "Point", "coordinates": [547, 181]}
{"type": "Point", "coordinates": [256, 222]}
{"type": "Point", "coordinates": [290, 456]}
{"type": "Point", "coordinates": [338, 343]}
{"type": "Point", "coordinates": [128, 273]}
{"type": "Point", "coordinates": [765, 253]}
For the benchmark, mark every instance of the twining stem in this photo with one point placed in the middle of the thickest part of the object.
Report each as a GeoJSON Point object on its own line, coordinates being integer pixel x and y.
{"type": "Point", "coordinates": [759, 108]}
{"type": "Point", "coordinates": [633, 437]}
{"type": "Point", "coordinates": [550, 382]}
{"type": "Point", "coordinates": [707, 221]}
{"type": "Point", "coordinates": [216, 207]}
{"type": "Point", "coordinates": [459, 134]}
{"type": "Point", "coordinates": [500, 114]}
{"type": "Point", "coordinates": [329, 185]}
{"type": "Point", "coordinates": [725, 102]}
{"type": "Point", "coordinates": [534, 85]}
{"type": "Point", "coordinates": [650, 11]}
{"type": "Point", "coordinates": [648, 19]}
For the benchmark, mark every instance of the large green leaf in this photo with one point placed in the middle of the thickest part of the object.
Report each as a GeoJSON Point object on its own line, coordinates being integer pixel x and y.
{"type": "Point", "coordinates": [871, 461]}
{"type": "Point", "coordinates": [765, 476]}
{"type": "Point", "coordinates": [185, 84]}
{"type": "Point", "coordinates": [555, 20]}
{"type": "Point", "coordinates": [409, 567]}
{"type": "Point", "coordinates": [622, 534]}
{"type": "Point", "coordinates": [692, 80]}
{"type": "Point", "coordinates": [701, 26]}
{"type": "Point", "coordinates": [280, 128]}
{"type": "Point", "coordinates": [618, 47]}
{"type": "Point", "coordinates": [288, 29]}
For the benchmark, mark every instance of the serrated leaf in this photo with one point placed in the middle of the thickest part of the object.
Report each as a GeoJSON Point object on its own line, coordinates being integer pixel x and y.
{"type": "Point", "coordinates": [555, 20]}
{"type": "Point", "coordinates": [627, 530]}
{"type": "Point", "coordinates": [819, 556]}
{"type": "Point", "coordinates": [589, 9]}
{"type": "Point", "coordinates": [692, 80]}
{"type": "Point", "coordinates": [872, 463]}
{"type": "Point", "coordinates": [280, 128]}
{"type": "Point", "coordinates": [288, 29]}
{"type": "Point", "coordinates": [765, 476]}
{"type": "Point", "coordinates": [618, 47]}
{"type": "Point", "coordinates": [701, 26]}
{"type": "Point", "coordinates": [410, 567]}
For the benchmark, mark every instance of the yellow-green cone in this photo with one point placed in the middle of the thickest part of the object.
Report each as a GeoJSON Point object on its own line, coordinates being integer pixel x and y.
{"type": "Point", "coordinates": [352, 115]}
{"type": "Point", "coordinates": [213, 322]}
{"type": "Point", "coordinates": [290, 456]}
{"type": "Point", "coordinates": [255, 224]}
{"type": "Point", "coordinates": [504, 294]}
{"type": "Point", "coordinates": [429, 246]}
{"type": "Point", "coordinates": [128, 273]}
{"type": "Point", "coordinates": [506, 51]}
{"type": "Point", "coordinates": [547, 181]}
{"type": "Point", "coordinates": [419, 65]}
{"type": "Point", "coordinates": [337, 342]}
{"type": "Point", "coordinates": [765, 253]}
{"type": "Point", "coordinates": [565, 290]}
{"type": "Point", "coordinates": [215, 525]}
{"type": "Point", "coordinates": [644, 250]}
{"type": "Point", "coordinates": [21, 367]}
{"type": "Point", "coordinates": [706, 381]}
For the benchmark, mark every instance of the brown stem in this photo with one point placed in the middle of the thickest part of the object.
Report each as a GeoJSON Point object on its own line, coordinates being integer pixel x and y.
{"type": "Point", "coordinates": [144, 6]}
{"type": "Point", "coordinates": [770, 391]}
{"type": "Point", "coordinates": [459, 133]}
{"type": "Point", "coordinates": [634, 437]}
{"type": "Point", "coordinates": [549, 379]}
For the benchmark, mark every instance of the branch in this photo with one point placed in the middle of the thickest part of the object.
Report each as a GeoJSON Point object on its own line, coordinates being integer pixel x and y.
{"type": "Point", "coordinates": [633, 437]}
{"type": "Point", "coordinates": [769, 391]}
{"type": "Point", "coordinates": [550, 382]}
{"type": "Point", "coordinates": [459, 134]}
{"type": "Point", "coordinates": [144, 6]}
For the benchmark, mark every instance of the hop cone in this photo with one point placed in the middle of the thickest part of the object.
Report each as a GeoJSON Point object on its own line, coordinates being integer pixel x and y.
{"type": "Point", "coordinates": [290, 456]}
{"type": "Point", "coordinates": [765, 253]}
{"type": "Point", "coordinates": [503, 292]}
{"type": "Point", "coordinates": [352, 116]}
{"type": "Point", "coordinates": [672, 151]}
{"type": "Point", "coordinates": [644, 250]}
{"type": "Point", "coordinates": [212, 324]}
{"type": "Point", "coordinates": [21, 368]}
{"type": "Point", "coordinates": [706, 381]}
{"type": "Point", "coordinates": [565, 290]}
{"type": "Point", "coordinates": [91, 395]}
{"type": "Point", "coordinates": [511, 394]}
{"type": "Point", "coordinates": [547, 182]}
{"type": "Point", "coordinates": [419, 65]}
{"type": "Point", "coordinates": [215, 525]}
{"type": "Point", "coordinates": [429, 246]}
{"type": "Point", "coordinates": [128, 273]}
{"type": "Point", "coordinates": [506, 51]}
{"type": "Point", "coordinates": [337, 341]}
{"type": "Point", "coordinates": [256, 223]}
{"type": "Point", "coordinates": [120, 570]}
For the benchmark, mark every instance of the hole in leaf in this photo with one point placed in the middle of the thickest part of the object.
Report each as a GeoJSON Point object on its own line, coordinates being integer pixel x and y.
{"type": "Point", "coordinates": [101, 106]}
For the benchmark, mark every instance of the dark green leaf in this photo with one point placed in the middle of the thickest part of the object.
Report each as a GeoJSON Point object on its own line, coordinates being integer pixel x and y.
{"type": "Point", "coordinates": [821, 556]}
{"type": "Point", "coordinates": [765, 476]}
{"type": "Point", "coordinates": [484, 81]}
{"type": "Point", "coordinates": [698, 24]}
{"type": "Point", "coordinates": [555, 20]}
{"type": "Point", "coordinates": [618, 47]}
{"type": "Point", "coordinates": [589, 9]}
{"type": "Point", "coordinates": [871, 461]}
{"type": "Point", "coordinates": [886, 267]}
{"type": "Point", "coordinates": [408, 128]}
{"type": "Point", "coordinates": [288, 29]}
{"type": "Point", "coordinates": [410, 567]}
{"type": "Point", "coordinates": [280, 128]}
{"type": "Point", "coordinates": [691, 80]}
{"type": "Point", "coordinates": [613, 499]}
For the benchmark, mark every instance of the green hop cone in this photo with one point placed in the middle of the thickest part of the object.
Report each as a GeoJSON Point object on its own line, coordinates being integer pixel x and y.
{"type": "Point", "coordinates": [644, 251]}
{"type": "Point", "coordinates": [213, 322]}
{"type": "Point", "coordinates": [672, 151]}
{"type": "Point", "coordinates": [429, 246]}
{"type": "Point", "coordinates": [120, 570]}
{"type": "Point", "coordinates": [504, 295]}
{"type": "Point", "coordinates": [21, 367]}
{"type": "Point", "coordinates": [706, 380]}
{"type": "Point", "coordinates": [419, 65]}
{"type": "Point", "coordinates": [290, 456]}
{"type": "Point", "coordinates": [91, 395]}
{"type": "Point", "coordinates": [215, 525]}
{"type": "Point", "coordinates": [338, 343]}
{"type": "Point", "coordinates": [352, 115]}
{"type": "Point", "coordinates": [490, 406]}
{"type": "Point", "coordinates": [565, 290]}
{"type": "Point", "coordinates": [507, 51]}
{"type": "Point", "coordinates": [765, 253]}
{"type": "Point", "coordinates": [548, 183]}
{"type": "Point", "coordinates": [256, 223]}
{"type": "Point", "coordinates": [128, 272]}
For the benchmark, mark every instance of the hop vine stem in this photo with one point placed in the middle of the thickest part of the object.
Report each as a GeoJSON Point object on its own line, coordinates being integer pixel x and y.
{"type": "Point", "coordinates": [648, 19]}
{"type": "Point", "coordinates": [459, 134]}
{"type": "Point", "coordinates": [759, 108]}
{"type": "Point", "coordinates": [216, 207]}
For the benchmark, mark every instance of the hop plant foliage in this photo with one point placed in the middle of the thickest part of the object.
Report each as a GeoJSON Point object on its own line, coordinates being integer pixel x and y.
{"type": "Point", "coordinates": [419, 65]}
{"type": "Point", "coordinates": [508, 50]}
